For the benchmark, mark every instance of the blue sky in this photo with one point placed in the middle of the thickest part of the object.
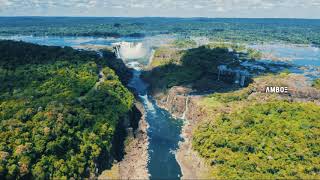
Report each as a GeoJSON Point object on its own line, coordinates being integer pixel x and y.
{"type": "Point", "coordinates": [166, 8]}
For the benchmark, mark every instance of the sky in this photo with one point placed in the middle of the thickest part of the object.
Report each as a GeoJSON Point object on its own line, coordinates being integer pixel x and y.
{"type": "Point", "coordinates": [164, 8]}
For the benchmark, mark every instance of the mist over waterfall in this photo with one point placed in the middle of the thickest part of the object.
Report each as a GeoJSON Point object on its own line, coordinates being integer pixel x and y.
{"type": "Point", "coordinates": [142, 49]}
{"type": "Point", "coordinates": [131, 50]}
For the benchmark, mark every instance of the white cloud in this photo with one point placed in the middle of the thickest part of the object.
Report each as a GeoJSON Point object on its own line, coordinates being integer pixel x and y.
{"type": "Point", "coordinates": [220, 9]}
{"type": "Point", "coordinates": [118, 6]}
{"type": "Point", "coordinates": [198, 6]}
{"type": "Point", "coordinates": [5, 3]}
{"type": "Point", "coordinates": [138, 5]}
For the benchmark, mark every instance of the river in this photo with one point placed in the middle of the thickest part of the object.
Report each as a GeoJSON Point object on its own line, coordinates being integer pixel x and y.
{"type": "Point", "coordinates": [163, 132]}
{"type": "Point", "coordinates": [304, 59]}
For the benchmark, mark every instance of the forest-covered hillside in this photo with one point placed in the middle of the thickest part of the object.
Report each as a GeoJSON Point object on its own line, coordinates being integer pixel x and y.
{"type": "Point", "coordinates": [250, 134]}
{"type": "Point", "coordinates": [263, 141]}
{"type": "Point", "coordinates": [57, 118]}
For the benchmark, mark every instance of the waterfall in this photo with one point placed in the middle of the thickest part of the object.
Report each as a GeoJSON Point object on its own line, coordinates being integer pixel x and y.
{"type": "Point", "coordinates": [130, 50]}
{"type": "Point", "coordinates": [117, 51]}
{"type": "Point", "coordinates": [222, 69]}
{"type": "Point", "coordinates": [242, 80]}
{"type": "Point", "coordinates": [151, 56]}
{"type": "Point", "coordinates": [148, 104]}
{"type": "Point", "coordinates": [244, 74]}
{"type": "Point", "coordinates": [186, 109]}
{"type": "Point", "coordinates": [100, 54]}
{"type": "Point", "coordinates": [239, 75]}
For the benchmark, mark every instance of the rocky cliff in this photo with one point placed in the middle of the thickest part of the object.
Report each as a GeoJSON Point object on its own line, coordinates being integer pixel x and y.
{"type": "Point", "coordinates": [132, 152]}
{"type": "Point", "coordinates": [174, 100]}
{"type": "Point", "coordinates": [181, 104]}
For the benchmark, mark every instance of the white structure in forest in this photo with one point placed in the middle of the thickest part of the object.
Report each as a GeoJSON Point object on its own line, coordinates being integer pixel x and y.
{"type": "Point", "coordinates": [240, 76]}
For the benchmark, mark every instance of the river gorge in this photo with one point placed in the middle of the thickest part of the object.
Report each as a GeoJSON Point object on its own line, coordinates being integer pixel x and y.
{"type": "Point", "coordinates": [168, 133]}
{"type": "Point", "coordinates": [163, 132]}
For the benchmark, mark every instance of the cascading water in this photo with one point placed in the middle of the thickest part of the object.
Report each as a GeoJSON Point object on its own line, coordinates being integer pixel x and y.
{"type": "Point", "coordinates": [130, 50]}
{"type": "Point", "coordinates": [163, 132]}
{"type": "Point", "coordinates": [186, 108]}
{"type": "Point", "coordinates": [151, 56]}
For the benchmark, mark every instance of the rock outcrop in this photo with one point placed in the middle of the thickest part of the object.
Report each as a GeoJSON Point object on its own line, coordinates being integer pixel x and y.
{"type": "Point", "coordinates": [133, 165]}
{"type": "Point", "coordinates": [174, 100]}
{"type": "Point", "coordinates": [181, 104]}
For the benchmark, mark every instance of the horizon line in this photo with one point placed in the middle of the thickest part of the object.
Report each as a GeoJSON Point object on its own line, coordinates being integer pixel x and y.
{"type": "Point", "coordinates": [165, 17]}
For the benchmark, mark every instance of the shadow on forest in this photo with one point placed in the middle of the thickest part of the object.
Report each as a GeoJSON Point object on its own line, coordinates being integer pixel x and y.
{"type": "Point", "coordinates": [198, 69]}
{"type": "Point", "coordinates": [106, 160]}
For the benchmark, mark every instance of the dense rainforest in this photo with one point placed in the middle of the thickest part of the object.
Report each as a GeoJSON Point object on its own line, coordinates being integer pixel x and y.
{"type": "Point", "coordinates": [249, 134]}
{"type": "Point", "coordinates": [263, 141]}
{"type": "Point", "coordinates": [58, 117]}
{"type": "Point", "coordinates": [302, 31]}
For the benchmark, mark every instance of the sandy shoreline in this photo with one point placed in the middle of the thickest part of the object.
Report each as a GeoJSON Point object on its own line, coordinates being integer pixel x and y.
{"type": "Point", "coordinates": [134, 163]}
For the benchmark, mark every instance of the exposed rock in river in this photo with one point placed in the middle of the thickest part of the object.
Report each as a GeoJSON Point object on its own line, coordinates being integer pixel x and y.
{"type": "Point", "coordinates": [180, 104]}
{"type": "Point", "coordinates": [174, 100]}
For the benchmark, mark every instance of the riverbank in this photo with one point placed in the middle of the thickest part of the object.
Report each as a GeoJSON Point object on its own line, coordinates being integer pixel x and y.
{"type": "Point", "coordinates": [181, 105]}
{"type": "Point", "coordinates": [202, 109]}
{"type": "Point", "coordinates": [134, 163]}
{"type": "Point", "coordinates": [191, 164]}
